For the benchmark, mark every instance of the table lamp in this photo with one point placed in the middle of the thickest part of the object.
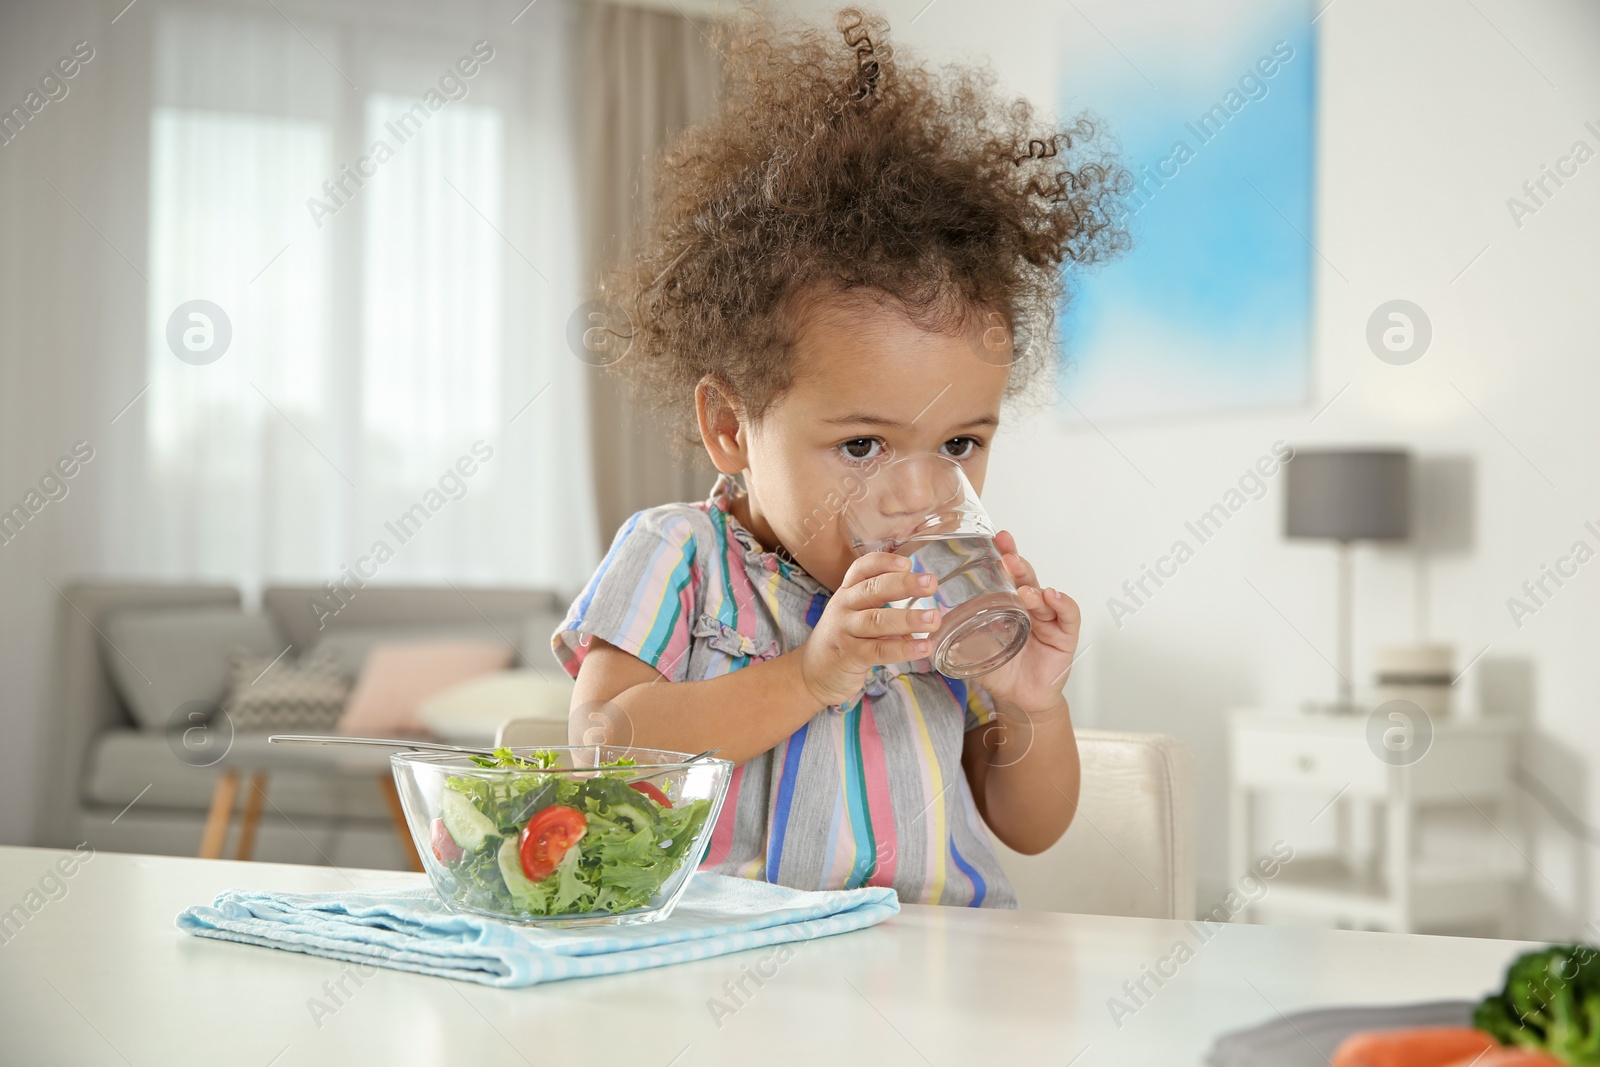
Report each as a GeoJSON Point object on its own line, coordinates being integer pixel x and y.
{"type": "Point", "coordinates": [1347, 495]}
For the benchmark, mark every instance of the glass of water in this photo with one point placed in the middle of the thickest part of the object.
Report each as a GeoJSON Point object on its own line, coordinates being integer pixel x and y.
{"type": "Point", "coordinates": [922, 506]}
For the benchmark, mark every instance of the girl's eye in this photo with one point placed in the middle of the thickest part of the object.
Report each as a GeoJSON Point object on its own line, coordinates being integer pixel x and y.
{"type": "Point", "coordinates": [861, 448]}
{"type": "Point", "coordinates": [961, 447]}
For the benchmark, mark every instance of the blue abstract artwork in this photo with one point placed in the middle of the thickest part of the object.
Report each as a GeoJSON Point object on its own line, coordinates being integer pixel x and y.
{"type": "Point", "coordinates": [1213, 107]}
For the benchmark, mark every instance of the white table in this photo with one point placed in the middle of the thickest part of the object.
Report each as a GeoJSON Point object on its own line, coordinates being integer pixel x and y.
{"type": "Point", "coordinates": [101, 976]}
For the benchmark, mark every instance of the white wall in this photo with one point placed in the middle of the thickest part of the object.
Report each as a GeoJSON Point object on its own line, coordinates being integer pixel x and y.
{"type": "Point", "coordinates": [1430, 119]}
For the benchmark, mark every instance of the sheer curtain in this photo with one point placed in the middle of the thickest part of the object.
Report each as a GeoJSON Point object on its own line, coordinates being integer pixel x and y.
{"type": "Point", "coordinates": [373, 205]}
{"type": "Point", "coordinates": [651, 74]}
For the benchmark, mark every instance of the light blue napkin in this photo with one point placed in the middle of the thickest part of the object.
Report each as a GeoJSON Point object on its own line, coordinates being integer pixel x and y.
{"type": "Point", "coordinates": [412, 930]}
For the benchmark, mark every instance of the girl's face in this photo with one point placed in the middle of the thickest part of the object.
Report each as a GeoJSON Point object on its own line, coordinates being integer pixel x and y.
{"type": "Point", "coordinates": [867, 381]}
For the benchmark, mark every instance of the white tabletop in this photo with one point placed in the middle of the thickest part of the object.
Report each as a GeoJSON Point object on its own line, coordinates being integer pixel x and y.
{"type": "Point", "coordinates": [102, 976]}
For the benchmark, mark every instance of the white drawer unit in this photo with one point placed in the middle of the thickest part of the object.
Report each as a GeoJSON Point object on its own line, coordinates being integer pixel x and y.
{"type": "Point", "coordinates": [1265, 757]}
{"type": "Point", "coordinates": [1465, 766]}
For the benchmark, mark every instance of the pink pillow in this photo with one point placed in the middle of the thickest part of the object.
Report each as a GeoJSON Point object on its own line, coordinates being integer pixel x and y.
{"type": "Point", "coordinates": [396, 678]}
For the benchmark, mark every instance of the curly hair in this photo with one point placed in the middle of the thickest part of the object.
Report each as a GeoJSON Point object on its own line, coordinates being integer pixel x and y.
{"type": "Point", "coordinates": [835, 167]}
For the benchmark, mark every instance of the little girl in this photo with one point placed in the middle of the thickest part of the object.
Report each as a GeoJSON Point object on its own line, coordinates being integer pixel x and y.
{"type": "Point", "coordinates": [834, 273]}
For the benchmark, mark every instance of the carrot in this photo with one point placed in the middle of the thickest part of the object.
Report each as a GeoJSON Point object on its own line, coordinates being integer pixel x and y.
{"type": "Point", "coordinates": [1509, 1057]}
{"type": "Point", "coordinates": [1428, 1046]}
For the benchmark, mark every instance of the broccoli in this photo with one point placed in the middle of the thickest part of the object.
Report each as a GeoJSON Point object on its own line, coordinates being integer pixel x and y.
{"type": "Point", "coordinates": [1551, 1003]}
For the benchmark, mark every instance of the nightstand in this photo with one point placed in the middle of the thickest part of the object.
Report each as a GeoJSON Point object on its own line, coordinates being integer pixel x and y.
{"type": "Point", "coordinates": [1464, 774]}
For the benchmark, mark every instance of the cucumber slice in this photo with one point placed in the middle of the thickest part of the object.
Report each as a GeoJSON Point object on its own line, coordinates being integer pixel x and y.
{"type": "Point", "coordinates": [469, 828]}
{"type": "Point", "coordinates": [636, 817]}
{"type": "Point", "coordinates": [510, 860]}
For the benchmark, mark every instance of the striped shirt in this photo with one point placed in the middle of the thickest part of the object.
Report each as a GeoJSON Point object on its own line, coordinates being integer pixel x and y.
{"type": "Point", "coordinates": [868, 792]}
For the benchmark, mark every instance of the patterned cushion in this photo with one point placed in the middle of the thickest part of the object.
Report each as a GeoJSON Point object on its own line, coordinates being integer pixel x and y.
{"type": "Point", "coordinates": [307, 693]}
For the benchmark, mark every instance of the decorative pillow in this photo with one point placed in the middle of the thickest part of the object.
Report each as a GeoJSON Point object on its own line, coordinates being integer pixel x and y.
{"type": "Point", "coordinates": [290, 695]}
{"type": "Point", "coordinates": [472, 712]}
{"type": "Point", "coordinates": [399, 677]}
{"type": "Point", "coordinates": [352, 644]}
{"type": "Point", "coordinates": [164, 658]}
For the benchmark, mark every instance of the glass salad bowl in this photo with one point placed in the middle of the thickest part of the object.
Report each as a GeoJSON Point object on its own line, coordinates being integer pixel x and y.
{"type": "Point", "coordinates": [583, 835]}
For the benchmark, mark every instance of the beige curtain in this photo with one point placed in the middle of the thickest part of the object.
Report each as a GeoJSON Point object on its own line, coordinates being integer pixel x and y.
{"type": "Point", "coordinates": [646, 74]}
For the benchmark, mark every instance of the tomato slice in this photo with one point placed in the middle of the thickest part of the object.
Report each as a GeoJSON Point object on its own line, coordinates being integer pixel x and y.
{"type": "Point", "coordinates": [649, 790]}
{"type": "Point", "coordinates": [547, 837]}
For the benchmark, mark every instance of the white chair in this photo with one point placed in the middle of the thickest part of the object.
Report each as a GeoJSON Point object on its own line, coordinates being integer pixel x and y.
{"type": "Point", "coordinates": [1130, 848]}
{"type": "Point", "coordinates": [533, 733]}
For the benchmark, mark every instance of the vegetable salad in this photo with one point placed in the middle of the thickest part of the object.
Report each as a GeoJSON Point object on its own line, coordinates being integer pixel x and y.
{"type": "Point", "coordinates": [541, 844]}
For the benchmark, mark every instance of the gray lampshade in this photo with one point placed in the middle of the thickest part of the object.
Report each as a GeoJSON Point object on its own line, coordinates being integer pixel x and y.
{"type": "Point", "coordinates": [1348, 495]}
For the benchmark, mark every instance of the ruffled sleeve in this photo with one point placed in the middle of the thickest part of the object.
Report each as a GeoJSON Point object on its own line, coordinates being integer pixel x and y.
{"type": "Point", "coordinates": [642, 599]}
{"type": "Point", "coordinates": [724, 638]}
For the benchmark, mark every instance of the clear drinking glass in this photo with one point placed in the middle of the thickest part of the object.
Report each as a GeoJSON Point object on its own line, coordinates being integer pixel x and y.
{"type": "Point", "coordinates": [923, 507]}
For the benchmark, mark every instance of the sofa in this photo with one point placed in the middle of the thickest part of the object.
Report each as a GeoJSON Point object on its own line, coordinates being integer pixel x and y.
{"type": "Point", "coordinates": [124, 787]}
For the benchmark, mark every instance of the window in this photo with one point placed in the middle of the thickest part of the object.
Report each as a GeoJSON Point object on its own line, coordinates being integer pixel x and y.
{"type": "Point", "coordinates": [432, 290]}
{"type": "Point", "coordinates": [343, 204]}
{"type": "Point", "coordinates": [224, 187]}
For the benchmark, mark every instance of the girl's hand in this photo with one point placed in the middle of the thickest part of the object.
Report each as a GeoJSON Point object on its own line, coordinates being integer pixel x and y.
{"type": "Point", "coordinates": [856, 632]}
{"type": "Point", "coordinates": [1031, 681]}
